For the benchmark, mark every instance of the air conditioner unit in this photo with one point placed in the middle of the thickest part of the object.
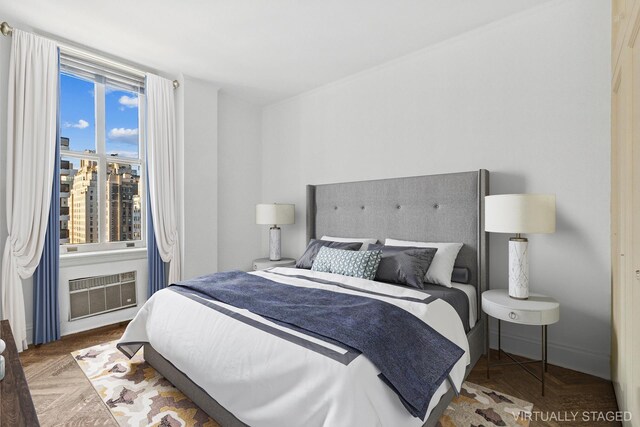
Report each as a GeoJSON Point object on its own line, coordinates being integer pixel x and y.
{"type": "Point", "coordinates": [89, 296]}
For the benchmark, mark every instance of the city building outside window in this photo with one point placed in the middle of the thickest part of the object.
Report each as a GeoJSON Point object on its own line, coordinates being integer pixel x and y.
{"type": "Point", "coordinates": [102, 200]}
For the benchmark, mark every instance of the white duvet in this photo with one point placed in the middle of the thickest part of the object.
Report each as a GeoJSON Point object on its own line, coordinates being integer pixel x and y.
{"type": "Point", "coordinates": [265, 380]}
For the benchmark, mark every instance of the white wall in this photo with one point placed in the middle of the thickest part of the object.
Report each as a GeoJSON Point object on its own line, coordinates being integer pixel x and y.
{"type": "Point", "coordinates": [200, 190]}
{"type": "Point", "coordinates": [527, 98]}
{"type": "Point", "coordinates": [239, 189]}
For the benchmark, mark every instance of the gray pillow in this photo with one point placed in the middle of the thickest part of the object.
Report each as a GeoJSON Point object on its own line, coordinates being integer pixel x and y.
{"type": "Point", "coordinates": [309, 255]}
{"type": "Point", "coordinates": [460, 275]}
{"type": "Point", "coordinates": [404, 265]}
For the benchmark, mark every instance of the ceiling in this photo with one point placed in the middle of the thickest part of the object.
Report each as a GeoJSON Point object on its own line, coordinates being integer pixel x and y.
{"type": "Point", "coordinates": [262, 50]}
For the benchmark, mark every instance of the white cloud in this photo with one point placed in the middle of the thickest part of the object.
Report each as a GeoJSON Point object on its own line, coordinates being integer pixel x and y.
{"type": "Point", "coordinates": [82, 124]}
{"type": "Point", "coordinates": [128, 101]}
{"type": "Point", "coordinates": [129, 136]}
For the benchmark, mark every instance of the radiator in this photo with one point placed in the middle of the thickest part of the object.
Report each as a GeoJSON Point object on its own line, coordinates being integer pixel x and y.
{"type": "Point", "coordinates": [90, 296]}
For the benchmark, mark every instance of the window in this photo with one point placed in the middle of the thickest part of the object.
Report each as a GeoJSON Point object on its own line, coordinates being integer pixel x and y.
{"type": "Point", "coordinates": [101, 157]}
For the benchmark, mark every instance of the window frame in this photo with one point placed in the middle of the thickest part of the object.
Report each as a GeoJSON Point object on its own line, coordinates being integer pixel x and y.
{"type": "Point", "coordinates": [102, 159]}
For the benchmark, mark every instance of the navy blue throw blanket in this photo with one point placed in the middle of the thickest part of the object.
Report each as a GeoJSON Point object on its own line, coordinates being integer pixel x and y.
{"type": "Point", "coordinates": [412, 357]}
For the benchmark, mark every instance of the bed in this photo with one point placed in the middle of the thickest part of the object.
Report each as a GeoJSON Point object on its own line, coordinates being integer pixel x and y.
{"type": "Point", "coordinates": [249, 382]}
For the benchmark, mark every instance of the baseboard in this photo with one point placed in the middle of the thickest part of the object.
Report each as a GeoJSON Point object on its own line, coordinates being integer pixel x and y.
{"type": "Point", "coordinates": [103, 324]}
{"type": "Point", "coordinates": [96, 325]}
{"type": "Point", "coordinates": [578, 359]}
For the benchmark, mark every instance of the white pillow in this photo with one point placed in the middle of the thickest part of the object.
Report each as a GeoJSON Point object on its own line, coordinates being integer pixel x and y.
{"type": "Point", "coordinates": [365, 242]}
{"type": "Point", "coordinates": [441, 267]}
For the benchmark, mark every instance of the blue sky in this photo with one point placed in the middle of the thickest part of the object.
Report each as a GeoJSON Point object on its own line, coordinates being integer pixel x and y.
{"type": "Point", "coordinates": [77, 117]}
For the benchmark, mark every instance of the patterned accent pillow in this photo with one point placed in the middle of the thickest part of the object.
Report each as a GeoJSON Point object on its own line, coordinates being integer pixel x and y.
{"type": "Point", "coordinates": [362, 264]}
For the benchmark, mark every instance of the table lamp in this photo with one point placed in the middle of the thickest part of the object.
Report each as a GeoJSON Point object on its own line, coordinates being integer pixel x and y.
{"type": "Point", "coordinates": [275, 214]}
{"type": "Point", "coordinates": [519, 214]}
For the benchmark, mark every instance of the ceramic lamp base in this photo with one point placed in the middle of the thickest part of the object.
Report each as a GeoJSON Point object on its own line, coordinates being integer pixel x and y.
{"type": "Point", "coordinates": [518, 268]}
{"type": "Point", "coordinates": [274, 244]}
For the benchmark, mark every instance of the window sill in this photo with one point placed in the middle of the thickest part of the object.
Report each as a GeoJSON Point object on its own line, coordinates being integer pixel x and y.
{"type": "Point", "coordinates": [84, 258]}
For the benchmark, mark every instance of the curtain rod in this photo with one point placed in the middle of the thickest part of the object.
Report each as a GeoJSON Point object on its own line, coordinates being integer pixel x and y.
{"type": "Point", "coordinates": [7, 30]}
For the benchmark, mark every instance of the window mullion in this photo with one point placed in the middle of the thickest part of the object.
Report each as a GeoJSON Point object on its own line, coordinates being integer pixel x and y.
{"type": "Point", "coordinates": [103, 228]}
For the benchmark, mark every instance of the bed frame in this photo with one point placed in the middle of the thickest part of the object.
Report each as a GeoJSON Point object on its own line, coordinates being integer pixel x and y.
{"type": "Point", "coordinates": [436, 208]}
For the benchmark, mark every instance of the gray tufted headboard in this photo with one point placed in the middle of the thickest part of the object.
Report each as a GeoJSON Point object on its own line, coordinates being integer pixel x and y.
{"type": "Point", "coordinates": [431, 208]}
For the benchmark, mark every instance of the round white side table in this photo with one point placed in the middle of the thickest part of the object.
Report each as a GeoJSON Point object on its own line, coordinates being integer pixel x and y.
{"type": "Point", "coordinates": [537, 310]}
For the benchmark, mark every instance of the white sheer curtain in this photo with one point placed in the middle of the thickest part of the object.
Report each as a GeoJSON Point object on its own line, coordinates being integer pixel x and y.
{"type": "Point", "coordinates": [31, 145]}
{"type": "Point", "coordinates": [161, 160]}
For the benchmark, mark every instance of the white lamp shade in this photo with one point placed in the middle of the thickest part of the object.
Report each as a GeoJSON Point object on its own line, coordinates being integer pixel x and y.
{"type": "Point", "coordinates": [275, 214]}
{"type": "Point", "coordinates": [520, 213]}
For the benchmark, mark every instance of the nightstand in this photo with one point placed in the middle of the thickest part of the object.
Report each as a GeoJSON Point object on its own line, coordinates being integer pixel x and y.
{"type": "Point", "coordinates": [264, 263]}
{"type": "Point", "coordinates": [537, 310]}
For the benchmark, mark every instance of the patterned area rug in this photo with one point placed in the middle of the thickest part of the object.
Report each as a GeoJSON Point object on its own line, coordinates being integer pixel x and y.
{"type": "Point", "coordinates": [480, 406]}
{"type": "Point", "coordinates": [137, 395]}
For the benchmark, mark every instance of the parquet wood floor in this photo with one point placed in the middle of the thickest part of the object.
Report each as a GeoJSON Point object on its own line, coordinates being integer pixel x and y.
{"type": "Point", "coordinates": [64, 396]}
{"type": "Point", "coordinates": [566, 391]}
